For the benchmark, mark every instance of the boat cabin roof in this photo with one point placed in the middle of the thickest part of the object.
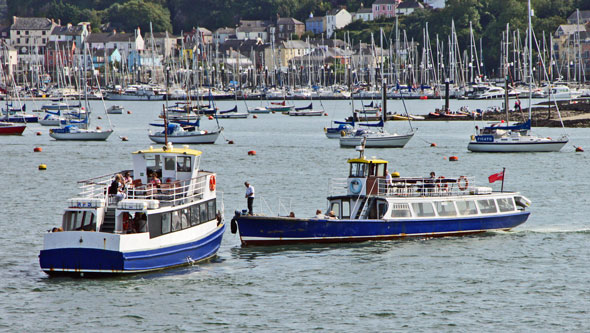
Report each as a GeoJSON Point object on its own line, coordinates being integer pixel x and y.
{"type": "Point", "coordinates": [166, 150]}
{"type": "Point", "coordinates": [364, 160]}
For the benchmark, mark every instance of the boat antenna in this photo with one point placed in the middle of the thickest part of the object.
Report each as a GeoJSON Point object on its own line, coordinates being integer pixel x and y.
{"type": "Point", "coordinates": [361, 148]}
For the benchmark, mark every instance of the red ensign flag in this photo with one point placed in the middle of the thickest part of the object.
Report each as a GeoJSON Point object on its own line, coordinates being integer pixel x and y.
{"type": "Point", "coordinates": [496, 176]}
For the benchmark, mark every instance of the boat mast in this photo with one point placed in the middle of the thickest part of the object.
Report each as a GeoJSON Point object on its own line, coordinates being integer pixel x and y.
{"type": "Point", "coordinates": [530, 37]}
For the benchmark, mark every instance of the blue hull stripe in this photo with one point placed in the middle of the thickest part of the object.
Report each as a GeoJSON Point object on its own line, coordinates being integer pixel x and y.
{"type": "Point", "coordinates": [269, 230]}
{"type": "Point", "coordinates": [79, 260]}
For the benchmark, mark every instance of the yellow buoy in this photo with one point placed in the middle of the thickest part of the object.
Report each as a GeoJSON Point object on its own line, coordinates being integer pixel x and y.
{"type": "Point", "coordinates": [395, 174]}
{"type": "Point", "coordinates": [42, 167]}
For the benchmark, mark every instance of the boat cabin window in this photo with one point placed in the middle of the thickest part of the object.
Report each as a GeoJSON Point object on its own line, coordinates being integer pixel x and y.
{"type": "Point", "coordinates": [358, 170]}
{"type": "Point", "coordinates": [505, 204]}
{"type": "Point", "coordinates": [400, 210]}
{"type": "Point", "coordinates": [183, 164]}
{"type": "Point", "coordinates": [153, 163]}
{"type": "Point", "coordinates": [170, 163]}
{"type": "Point", "coordinates": [335, 206]}
{"type": "Point", "coordinates": [345, 209]}
{"type": "Point", "coordinates": [79, 220]}
{"type": "Point", "coordinates": [423, 209]}
{"type": "Point", "coordinates": [467, 207]}
{"type": "Point", "coordinates": [164, 223]}
{"type": "Point", "coordinates": [487, 206]}
{"type": "Point", "coordinates": [377, 170]}
{"type": "Point", "coordinates": [445, 208]}
{"type": "Point", "coordinates": [381, 209]}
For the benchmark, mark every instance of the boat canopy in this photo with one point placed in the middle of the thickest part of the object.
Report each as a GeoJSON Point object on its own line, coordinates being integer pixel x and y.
{"type": "Point", "coordinates": [174, 150]}
{"type": "Point", "coordinates": [364, 160]}
{"type": "Point", "coordinates": [516, 127]}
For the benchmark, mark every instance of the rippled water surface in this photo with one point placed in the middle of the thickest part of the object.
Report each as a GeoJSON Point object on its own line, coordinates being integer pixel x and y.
{"type": "Point", "coordinates": [534, 278]}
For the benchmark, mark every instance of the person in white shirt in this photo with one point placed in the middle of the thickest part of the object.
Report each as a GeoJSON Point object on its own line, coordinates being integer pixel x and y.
{"type": "Point", "coordinates": [250, 197]}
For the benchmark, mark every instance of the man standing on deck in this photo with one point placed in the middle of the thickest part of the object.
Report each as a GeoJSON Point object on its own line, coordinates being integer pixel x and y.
{"type": "Point", "coordinates": [250, 197]}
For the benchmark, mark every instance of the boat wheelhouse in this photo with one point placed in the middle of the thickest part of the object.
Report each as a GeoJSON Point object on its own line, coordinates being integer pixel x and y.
{"type": "Point", "coordinates": [366, 206]}
{"type": "Point", "coordinates": [155, 226]}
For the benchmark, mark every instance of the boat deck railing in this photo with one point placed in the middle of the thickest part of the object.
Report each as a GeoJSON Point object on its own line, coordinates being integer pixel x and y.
{"type": "Point", "coordinates": [168, 194]}
{"type": "Point", "coordinates": [411, 187]}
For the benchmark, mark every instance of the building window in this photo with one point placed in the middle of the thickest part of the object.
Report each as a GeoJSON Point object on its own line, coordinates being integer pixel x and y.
{"type": "Point", "coordinates": [43, 40]}
{"type": "Point", "coordinates": [18, 32]}
{"type": "Point", "coordinates": [27, 32]}
{"type": "Point", "coordinates": [18, 40]}
{"type": "Point", "coordinates": [43, 33]}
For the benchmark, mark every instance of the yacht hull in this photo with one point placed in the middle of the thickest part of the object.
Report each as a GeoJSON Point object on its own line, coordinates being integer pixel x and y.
{"type": "Point", "coordinates": [82, 136]}
{"type": "Point", "coordinates": [259, 230]}
{"type": "Point", "coordinates": [207, 138]}
{"type": "Point", "coordinates": [516, 147]}
{"type": "Point", "coordinates": [384, 141]}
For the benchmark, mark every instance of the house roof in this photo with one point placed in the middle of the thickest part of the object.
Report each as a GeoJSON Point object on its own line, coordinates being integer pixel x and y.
{"type": "Point", "coordinates": [225, 31]}
{"type": "Point", "coordinates": [334, 11]}
{"type": "Point", "coordinates": [160, 35]}
{"type": "Point", "coordinates": [569, 29]}
{"type": "Point", "coordinates": [295, 44]}
{"type": "Point", "coordinates": [408, 4]}
{"type": "Point", "coordinates": [385, 2]}
{"type": "Point", "coordinates": [31, 23]}
{"type": "Point", "coordinates": [364, 11]}
{"type": "Point", "coordinates": [288, 21]}
{"type": "Point", "coordinates": [205, 31]}
{"type": "Point", "coordinates": [70, 30]}
{"type": "Point", "coordinates": [106, 37]}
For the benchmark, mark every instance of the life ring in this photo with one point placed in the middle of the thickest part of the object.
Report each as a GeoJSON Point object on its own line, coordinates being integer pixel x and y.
{"type": "Point", "coordinates": [463, 183]}
{"type": "Point", "coordinates": [355, 186]}
{"type": "Point", "coordinates": [212, 183]}
{"type": "Point", "coordinates": [440, 184]}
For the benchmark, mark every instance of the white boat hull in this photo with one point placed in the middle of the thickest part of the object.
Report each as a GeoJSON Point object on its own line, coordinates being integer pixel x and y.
{"type": "Point", "coordinates": [517, 147]}
{"type": "Point", "coordinates": [193, 138]}
{"type": "Point", "coordinates": [306, 113]}
{"type": "Point", "coordinates": [376, 141]}
{"type": "Point", "coordinates": [126, 97]}
{"type": "Point", "coordinates": [82, 136]}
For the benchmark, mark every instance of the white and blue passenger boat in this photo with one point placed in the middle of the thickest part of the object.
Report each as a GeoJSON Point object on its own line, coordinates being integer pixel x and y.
{"type": "Point", "coordinates": [365, 207]}
{"type": "Point", "coordinates": [151, 227]}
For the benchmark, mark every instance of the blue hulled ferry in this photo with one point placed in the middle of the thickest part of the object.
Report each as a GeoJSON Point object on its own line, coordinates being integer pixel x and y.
{"type": "Point", "coordinates": [167, 216]}
{"type": "Point", "coordinates": [369, 206]}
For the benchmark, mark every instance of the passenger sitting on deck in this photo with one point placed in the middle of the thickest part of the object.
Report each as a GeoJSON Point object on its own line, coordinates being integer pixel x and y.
{"type": "Point", "coordinates": [319, 215]}
{"type": "Point", "coordinates": [154, 179]}
{"type": "Point", "coordinates": [117, 188]}
{"type": "Point", "coordinates": [291, 214]}
{"type": "Point", "coordinates": [128, 179]}
{"type": "Point", "coordinates": [332, 215]}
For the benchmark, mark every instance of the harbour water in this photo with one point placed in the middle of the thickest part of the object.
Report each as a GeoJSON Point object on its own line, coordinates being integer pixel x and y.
{"type": "Point", "coordinates": [534, 278]}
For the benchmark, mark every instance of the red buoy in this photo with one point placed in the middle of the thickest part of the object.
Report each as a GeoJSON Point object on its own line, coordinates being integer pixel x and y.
{"type": "Point", "coordinates": [38, 133]}
{"type": "Point", "coordinates": [230, 142]}
{"type": "Point", "coordinates": [433, 144]}
{"type": "Point", "coordinates": [252, 153]}
{"type": "Point", "coordinates": [124, 138]}
{"type": "Point", "coordinates": [579, 149]}
{"type": "Point", "coordinates": [37, 149]}
{"type": "Point", "coordinates": [98, 128]}
{"type": "Point", "coordinates": [274, 112]}
{"type": "Point", "coordinates": [453, 158]}
{"type": "Point", "coordinates": [255, 116]}
{"type": "Point", "coordinates": [128, 112]}
{"type": "Point", "coordinates": [423, 97]}
{"type": "Point", "coordinates": [210, 117]}
{"type": "Point", "coordinates": [99, 117]}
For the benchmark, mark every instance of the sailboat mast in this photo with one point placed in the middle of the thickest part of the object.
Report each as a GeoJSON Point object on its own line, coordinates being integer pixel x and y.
{"type": "Point", "coordinates": [530, 37]}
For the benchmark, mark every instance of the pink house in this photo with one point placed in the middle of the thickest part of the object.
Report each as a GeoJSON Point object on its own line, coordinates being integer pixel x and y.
{"type": "Point", "coordinates": [384, 8]}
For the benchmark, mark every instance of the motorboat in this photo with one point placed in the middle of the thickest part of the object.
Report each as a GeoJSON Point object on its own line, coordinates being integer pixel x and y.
{"type": "Point", "coordinates": [7, 128]}
{"type": "Point", "coordinates": [115, 109]}
{"type": "Point", "coordinates": [144, 227]}
{"type": "Point", "coordinates": [366, 206]}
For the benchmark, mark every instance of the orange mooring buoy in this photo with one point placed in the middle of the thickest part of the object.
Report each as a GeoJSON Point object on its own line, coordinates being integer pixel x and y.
{"type": "Point", "coordinates": [98, 128]}
{"type": "Point", "coordinates": [255, 116]}
{"type": "Point", "coordinates": [210, 117]}
{"type": "Point", "coordinates": [230, 142]}
{"type": "Point", "coordinates": [128, 112]}
{"type": "Point", "coordinates": [252, 153]}
{"type": "Point", "coordinates": [453, 158]}
{"type": "Point", "coordinates": [38, 133]}
{"type": "Point", "coordinates": [37, 149]}
{"type": "Point", "coordinates": [433, 144]}
{"type": "Point", "coordinates": [579, 149]}
{"type": "Point", "coordinates": [124, 138]}
{"type": "Point", "coordinates": [326, 114]}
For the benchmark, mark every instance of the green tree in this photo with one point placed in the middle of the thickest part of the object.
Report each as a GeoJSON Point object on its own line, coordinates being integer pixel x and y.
{"type": "Point", "coordinates": [139, 13]}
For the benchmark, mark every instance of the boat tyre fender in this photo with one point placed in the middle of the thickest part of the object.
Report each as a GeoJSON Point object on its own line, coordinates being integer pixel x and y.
{"type": "Point", "coordinates": [234, 226]}
{"type": "Point", "coordinates": [463, 183]}
{"type": "Point", "coordinates": [440, 184]}
{"type": "Point", "coordinates": [212, 183]}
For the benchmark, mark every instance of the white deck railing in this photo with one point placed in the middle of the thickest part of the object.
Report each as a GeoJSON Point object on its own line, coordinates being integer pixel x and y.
{"type": "Point", "coordinates": [410, 187]}
{"type": "Point", "coordinates": [172, 193]}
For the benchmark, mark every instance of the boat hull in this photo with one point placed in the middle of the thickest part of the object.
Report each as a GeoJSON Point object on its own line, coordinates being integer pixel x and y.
{"type": "Point", "coordinates": [257, 230]}
{"type": "Point", "coordinates": [207, 138]}
{"type": "Point", "coordinates": [82, 136]}
{"type": "Point", "coordinates": [516, 147]}
{"type": "Point", "coordinates": [94, 261]}
{"type": "Point", "coordinates": [385, 141]}
{"type": "Point", "coordinates": [12, 130]}
{"type": "Point", "coordinates": [125, 97]}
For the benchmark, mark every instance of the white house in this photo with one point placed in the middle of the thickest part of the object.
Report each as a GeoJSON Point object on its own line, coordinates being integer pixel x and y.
{"type": "Point", "coordinates": [337, 19]}
{"type": "Point", "coordinates": [221, 34]}
{"type": "Point", "coordinates": [408, 7]}
{"type": "Point", "coordinates": [365, 14]}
